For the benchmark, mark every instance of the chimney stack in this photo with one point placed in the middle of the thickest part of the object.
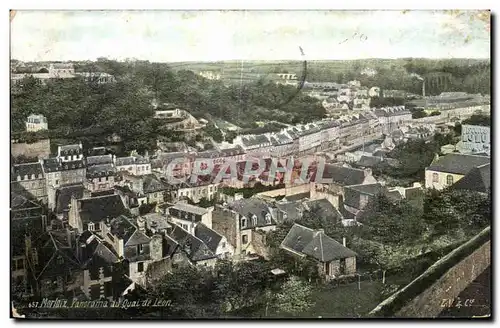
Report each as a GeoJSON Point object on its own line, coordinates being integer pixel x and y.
{"type": "Point", "coordinates": [343, 241]}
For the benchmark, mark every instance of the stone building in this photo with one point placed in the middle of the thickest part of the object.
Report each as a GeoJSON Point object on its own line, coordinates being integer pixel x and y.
{"type": "Point", "coordinates": [30, 176]}
{"type": "Point", "coordinates": [36, 122]}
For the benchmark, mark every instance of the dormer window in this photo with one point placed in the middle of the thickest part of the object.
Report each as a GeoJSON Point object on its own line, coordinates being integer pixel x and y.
{"type": "Point", "coordinates": [268, 218]}
{"type": "Point", "coordinates": [91, 226]}
{"type": "Point", "coordinates": [18, 178]}
{"type": "Point", "coordinates": [243, 222]}
{"type": "Point", "coordinates": [254, 220]}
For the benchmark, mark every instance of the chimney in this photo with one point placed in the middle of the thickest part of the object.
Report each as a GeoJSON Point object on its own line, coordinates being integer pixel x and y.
{"type": "Point", "coordinates": [343, 241]}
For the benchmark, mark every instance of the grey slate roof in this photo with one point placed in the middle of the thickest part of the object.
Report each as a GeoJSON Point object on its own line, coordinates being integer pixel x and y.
{"type": "Point", "coordinates": [293, 210]}
{"type": "Point", "coordinates": [248, 207]}
{"type": "Point", "coordinates": [208, 236]}
{"type": "Point", "coordinates": [368, 161]}
{"type": "Point", "coordinates": [345, 176]}
{"type": "Point", "coordinates": [295, 197]}
{"type": "Point", "coordinates": [53, 164]}
{"type": "Point", "coordinates": [100, 208]}
{"type": "Point", "coordinates": [100, 170]}
{"type": "Point", "coordinates": [324, 209]}
{"type": "Point", "coordinates": [101, 159]}
{"type": "Point", "coordinates": [123, 228]}
{"type": "Point", "coordinates": [315, 243]}
{"type": "Point", "coordinates": [193, 247]}
{"type": "Point", "coordinates": [151, 183]}
{"type": "Point", "coordinates": [352, 193]}
{"type": "Point", "coordinates": [184, 207]}
{"type": "Point", "coordinates": [478, 179]}
{"type": "Point", "coordinates": [95, 252]}
{"type": "Point", "coordinates": [458, 163]}
{"type": "Point", "coordinates": [64, 194]}
{"type": "Point", "coordinates": [26, 169]}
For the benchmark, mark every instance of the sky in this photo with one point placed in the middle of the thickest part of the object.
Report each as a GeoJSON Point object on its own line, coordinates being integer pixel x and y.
{"type": "Point", "coordinates": [171, 36]}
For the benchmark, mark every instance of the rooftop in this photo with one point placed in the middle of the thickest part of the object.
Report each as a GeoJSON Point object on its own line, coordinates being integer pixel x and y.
{"type": "Point", "coordinates": [458, 163]}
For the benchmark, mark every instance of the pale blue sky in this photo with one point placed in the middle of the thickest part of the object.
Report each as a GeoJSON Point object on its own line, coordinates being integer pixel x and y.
{"type": "Point", "coordinates": [252, 35]}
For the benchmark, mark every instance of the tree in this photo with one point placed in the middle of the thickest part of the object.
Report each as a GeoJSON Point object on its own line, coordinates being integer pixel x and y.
{"type": "Point", "coordinates": [483, 120]}
{"type": "Point", "coordinates": [295, 297]}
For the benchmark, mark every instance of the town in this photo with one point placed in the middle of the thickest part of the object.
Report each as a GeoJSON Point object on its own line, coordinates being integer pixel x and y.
{"type": "Point", "coordinates": [289, 195]}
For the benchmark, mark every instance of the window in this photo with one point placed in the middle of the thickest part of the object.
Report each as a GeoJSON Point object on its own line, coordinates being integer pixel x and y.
{"type": "Point", "coordinates": [244, 239]}
{"type": "Point", "coordinates": [140, 266]}
{"type": "Point", "coordinates": [435, 177]}
{"type": "Point", "coordinates": [243, 222]}
{"type": "Point", "coordinates": [268, 218]}
{"type": "Point", "coordinates": [91, 226]}
{"type": "Point", "coordinates": [140, 249]}
{"type": "Point", "coordinates": [254, 220]}
{"type": "Point", "coordinates": [223, 244]}
{"type": "Point", "coordinates": [57, 182]}
{"type": "Point", "coordinates": [449, 179]}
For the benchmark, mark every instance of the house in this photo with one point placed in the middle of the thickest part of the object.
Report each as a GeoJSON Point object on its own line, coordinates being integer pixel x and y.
{"type": "Point", "coordinates": [341, 176]}
{"type": "Point", "coordinates": [63, 198]}
{"type": "Point", "coordinates": [324, 210]}
{"type": "Point", "coordinates": [188, 216]}
{"type": "Point", "coordinates": [135, 165]}
{"type": "Point", "coordinates": [59, 173]}
{"type": "Point", "coordinates": [475, 139]}
{"type": "Point", "coordinates": [241, 221]}
{"type": "Point", "coordinates": [68, 153]}
{"type": "Point", "coordinates": [36, 122]}
{"type": "Point", "coordinates": [192, 247]}
{"type": "Point", "coordinates": [333, 258]}
{"type": "Point", "coordinates": [52, 267]}
{"type": "Point", "coordinates": [194, 191]}
{"type": "Point", "coordinates": [26, 216]}
{"type": "Point", "coordinates": [100, 177]}
{"type": "Point", "coordinates": [356, 197]}
{"type": "Point", "coordinates": [131, 243]}
{"type": "Point", "coordinates": [446, 170]}
{"type": "Point", "coordinates": [216, 242]}
{"type": "Point", "coordinates": [99, 264]}
{"type": "Point", "coordinates": [30, 177]}
{"type": "Point", "coordinates": [97, 77]}
{"type": "Point", "coordinates": [99, 159]}
{"type": "Point", "coordinates": [88, 213]}
{"type": "Point", "coordinates": [478, 179]}
{"type": "Point", "coordinates": [148, 187]}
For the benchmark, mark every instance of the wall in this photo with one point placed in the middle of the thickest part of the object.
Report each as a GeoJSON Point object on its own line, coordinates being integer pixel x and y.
{"type": "Point", "coordinates": [226, 223]}
{"type": "Point", "coordinates": [444, 280]}
{"type": "Point", "coordinates": [39, 149]}
{"type": "Point", "coordinates": [441, 184]}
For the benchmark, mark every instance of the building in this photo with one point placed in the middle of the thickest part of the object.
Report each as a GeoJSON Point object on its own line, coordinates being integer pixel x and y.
{"type": "Point", "coordinates": [216, 242]}
{"type": "Point", "coordinates": [52, 266]}
{"type": "Point", "coordinates": [475, 139]}
{"type": "Point", "coordinates": [89, 213]}
{"type": "Point", "coordinates": [210, 75]}
{"type": "Point", "coordinates": [59, 173]}
{"type": "Point", "coordinates": [131, 243]}
{"type": "Point", "coordinates": [26, 216]}
{"type": "Point", "coordinates": [189, 216]}
{"type": "Point", "coordinates": [357, 197]}
{"type": "Point", "coordinates": [100, 267]}
{"type": "Point", "coordinates": [333, 259]}
{"type": "Point", "coordinates": [36, 122]}
{"type": "Point", "coordinates": [193, 250]}
{"type": "Point", "coordinates": [178, 120]}
{"type": "Point", "coordinates": [147, 187]}
{"type": "Point", "coordinates": [243, 223]}
{"type": "Point", "coordinates": [63, 197]}
{"type": "Point", "coordinates": [97, 77]}
{"type": "Point", "coordinates": [31, 178]}
{"type": "Point", "coordinates": [478, 179]}
{"type": "Point", "coordinates": [135, 165]}
{"type": "Point", "coordinates": [100, 177]}
{"type": "Point", "coordinates": [68, 153]}
{"type": "Point", "coordinates": [194, 191]}
{"type": "Point", "coordinates": [446, 170]}
{"type": "Point", "coordinates": [391, 118]}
